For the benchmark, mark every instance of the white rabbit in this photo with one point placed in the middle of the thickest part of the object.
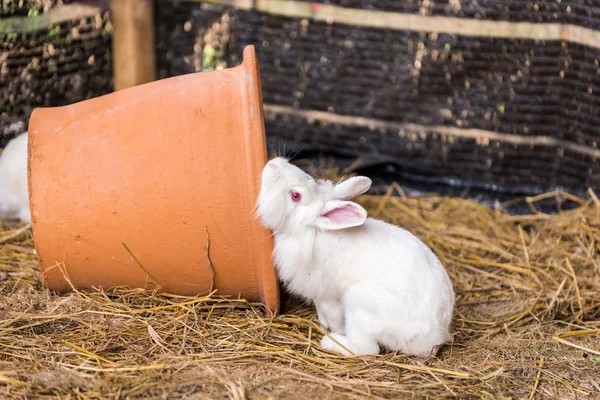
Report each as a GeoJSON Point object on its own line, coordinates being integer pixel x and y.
{"type": "Point", "coordinates": [372, 283]}
{"type": "Point", "coordinates": [14, 195]}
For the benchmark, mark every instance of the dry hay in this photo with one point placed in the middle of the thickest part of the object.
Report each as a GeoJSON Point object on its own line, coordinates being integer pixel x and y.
{"type": "Point", "coordinates": [526, 323]}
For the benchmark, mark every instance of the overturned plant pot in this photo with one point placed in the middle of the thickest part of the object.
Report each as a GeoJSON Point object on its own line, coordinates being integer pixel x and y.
{"type": "Point", "coordinates": [127, 189]}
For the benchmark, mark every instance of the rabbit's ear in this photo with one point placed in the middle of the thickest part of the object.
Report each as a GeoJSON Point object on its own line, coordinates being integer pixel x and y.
{"type": "Point", "coordinates": [338, 215]}
{"type": "Point", "coordinates": [350, 188]}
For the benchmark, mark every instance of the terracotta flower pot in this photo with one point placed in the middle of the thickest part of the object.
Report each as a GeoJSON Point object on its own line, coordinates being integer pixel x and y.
{"type": "Point", "coordinates": [155, 167]}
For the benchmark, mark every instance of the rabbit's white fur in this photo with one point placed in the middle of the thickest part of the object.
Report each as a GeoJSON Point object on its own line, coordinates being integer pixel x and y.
{"type": "Point", "coordinates": [372, 283]}
{"type": "Point", "coordinates": [14, 195]}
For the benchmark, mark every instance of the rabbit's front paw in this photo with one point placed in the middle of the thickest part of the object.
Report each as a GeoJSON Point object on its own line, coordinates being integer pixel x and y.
{"type": "Point", "coordinates": [328, 343]}
{"type": "Point", "coordinates": [342, 344]}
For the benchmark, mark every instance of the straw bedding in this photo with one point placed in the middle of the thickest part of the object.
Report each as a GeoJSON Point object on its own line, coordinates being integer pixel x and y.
{"type": "Point", "coordinates": [526, 323]}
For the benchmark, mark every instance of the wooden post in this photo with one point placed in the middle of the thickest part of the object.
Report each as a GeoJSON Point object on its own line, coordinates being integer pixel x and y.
{"type": "Point", "coordinates": [134, 59]}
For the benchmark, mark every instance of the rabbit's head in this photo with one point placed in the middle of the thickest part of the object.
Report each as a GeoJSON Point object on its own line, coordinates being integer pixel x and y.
{"type": "Point", "coordinates": [291, 200]}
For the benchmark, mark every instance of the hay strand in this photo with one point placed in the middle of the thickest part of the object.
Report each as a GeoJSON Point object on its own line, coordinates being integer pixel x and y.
{"type": "Point", "coordinates": [526, 323]}
{"type": "Point", "coordinates": [146, 271]}
{"type": "Point", "coordinates": [15, 234]}
{"type": "Point", "coordinates": [210, 264]}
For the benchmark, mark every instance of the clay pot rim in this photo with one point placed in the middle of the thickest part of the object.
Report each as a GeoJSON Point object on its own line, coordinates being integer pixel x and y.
{"type": "Point", "coordinates": [253, 124]}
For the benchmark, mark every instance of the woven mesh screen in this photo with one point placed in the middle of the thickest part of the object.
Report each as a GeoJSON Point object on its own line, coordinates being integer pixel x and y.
{"type": "Point", "coordinates": [63, 64]}
{"type": "Point", "coordinates": [512, 89]}
{"type": "Point", "coordinates": [11, 8]}
{"type": "Point", "coordinates": [389, 96]}
{"type": "Point", "coordinates": [577, 12]}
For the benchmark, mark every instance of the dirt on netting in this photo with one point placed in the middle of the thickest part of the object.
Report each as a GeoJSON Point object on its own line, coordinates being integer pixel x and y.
{"type": "Point", "coordinates": [526, 323]}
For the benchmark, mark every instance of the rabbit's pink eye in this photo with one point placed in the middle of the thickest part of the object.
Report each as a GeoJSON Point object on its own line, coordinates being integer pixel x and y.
{"type": "Point", "coordinates": [296, 197]}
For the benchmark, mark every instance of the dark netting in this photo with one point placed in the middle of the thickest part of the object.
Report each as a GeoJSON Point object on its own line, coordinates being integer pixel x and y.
{"type": "Point", "coordinates": [577, 12]}
{"type": "Point", "coordinates": [496, 165]}
{"type": "Point", "coordinates": [180, 32]}
{"type": "Point", "coordinates": [63, 64]}
{"type": "Point", "coordinates": [524, 88]}
{"type": "Point", "coordinates": [510, 86]}
{"type": "Point", "coordinates": [520, 87]}
{"type": "Point", "coordinates": [24, 8]}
